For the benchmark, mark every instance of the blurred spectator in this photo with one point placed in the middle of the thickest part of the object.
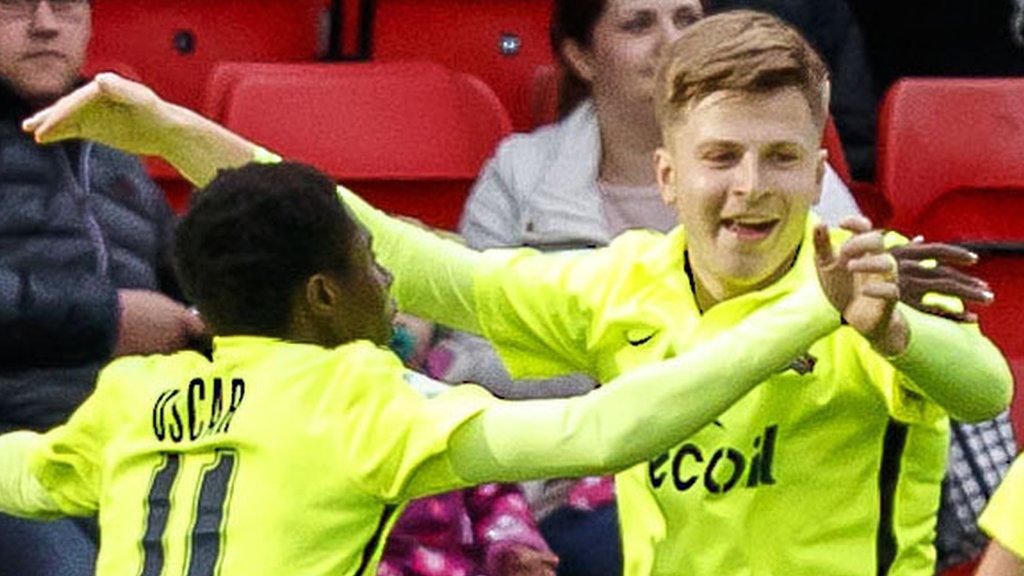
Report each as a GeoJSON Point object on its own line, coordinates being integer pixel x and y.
{"type": "Point", "coordinates": [941, 38]}
{"type": "Point", "coordinates": [832, 29]}
{"type": "Point", "coordinates": [483, 531]}
{"type": "Point", "coordinates": [83, 234]}
{"type": "Point", "coordinates": [979, 457]}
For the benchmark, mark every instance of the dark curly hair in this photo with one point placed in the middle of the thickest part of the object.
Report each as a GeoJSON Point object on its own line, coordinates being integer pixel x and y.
{"type": "Point", "coordinates": [252, 237]}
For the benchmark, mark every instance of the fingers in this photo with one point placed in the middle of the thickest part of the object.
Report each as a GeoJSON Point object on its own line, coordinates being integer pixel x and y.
{"type": "Point", "coordinates": [950, 287]}
{"type": "Point", "coordinates": [881, 290]}
{"type": "Point", "coordinates": [193, 325]}
{"type": "Point", "coordinates": [965, 316]}
{"type": "Point", "coordinates": [58, 121]}
{"type": "Point", "coordinates": [882, 264]}
{"type": "Point", "coordinates": [868, 242]}
{"type": "Point", "coordinates": [823, 246]}
{"type": "Point", "coordinates": [925, 269]}
{"type": "Point", "coordinates": [942, 253]}
{"type": "Point", "coordinates": [856, 224]}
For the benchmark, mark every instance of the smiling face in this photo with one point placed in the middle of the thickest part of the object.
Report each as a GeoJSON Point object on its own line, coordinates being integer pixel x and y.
{"type": "Point", "coordinates": [742, 171]}
{"type": "Point", "coordinates": [42, 47]}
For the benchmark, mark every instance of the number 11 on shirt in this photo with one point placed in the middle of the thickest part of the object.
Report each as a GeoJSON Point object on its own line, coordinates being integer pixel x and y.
{"type": "Point", "coordinates": [209, 513]}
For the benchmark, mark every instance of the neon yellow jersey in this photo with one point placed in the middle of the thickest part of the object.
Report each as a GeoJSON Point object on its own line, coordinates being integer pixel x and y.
{"type": "Point", "coordinates": [274, 458]}
{"type": "Point", "coordinates": [1003, 518]}
{"type": "Point", "coordinates": [831, 467]}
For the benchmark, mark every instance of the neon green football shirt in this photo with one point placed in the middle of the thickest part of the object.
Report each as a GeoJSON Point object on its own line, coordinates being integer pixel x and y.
{"type": "Point", "coordinates": [831, 467]}
{"type": "Point", "coordinates": [1003, 518]}
{"type": "Point", "coordinates": [211, 478]}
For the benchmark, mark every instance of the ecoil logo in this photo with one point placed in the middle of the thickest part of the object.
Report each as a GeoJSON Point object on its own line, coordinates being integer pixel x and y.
{"type": "Point", "coordinates": [720, 471]}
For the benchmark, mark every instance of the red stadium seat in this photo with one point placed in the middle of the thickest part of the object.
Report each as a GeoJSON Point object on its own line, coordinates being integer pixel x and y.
{"type": "Point", "coordinates": [950, 155]}
{"type": "Point", "coordinates": [951, 164]}
{"type": "Point", "coordinates": [500, 41]}
{"type": "Point", "coordinates": [410, 137]}
{"type": "Point", "coordinates": [173, 44]}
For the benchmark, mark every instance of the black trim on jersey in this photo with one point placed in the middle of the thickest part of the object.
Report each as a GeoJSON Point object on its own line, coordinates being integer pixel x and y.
{"type": "Point", "coordinates": [893, 447]}
{"type": "Point", "coordinates": [209, 515]}
{"type": "Point", "coordinates": [374, 541]}
{"type": "Point", "coordinates": [158, 503]}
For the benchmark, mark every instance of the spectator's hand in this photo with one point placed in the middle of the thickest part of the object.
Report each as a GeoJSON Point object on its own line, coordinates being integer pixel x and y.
{"type": "Point", "coordinates": [111, 110]}
{"type": "Point", "coordinates": [521, 560]}
{"type": "Point", "coordinates": [151, 323]}
{"type": "Point", "coordinates": [862, 282]}
{"type": "Point", "coordinates": [926, 268]}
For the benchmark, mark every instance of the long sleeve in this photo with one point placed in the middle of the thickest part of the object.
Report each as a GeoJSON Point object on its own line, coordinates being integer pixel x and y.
{"type": "Point", "coordinates": [644, 411]}
{"type": "Point", "coordinates": [955, 366]}
{"type": "Point", "coordinates": [21, 494]}
{"type": "Point", "coordinates": [433, 276]}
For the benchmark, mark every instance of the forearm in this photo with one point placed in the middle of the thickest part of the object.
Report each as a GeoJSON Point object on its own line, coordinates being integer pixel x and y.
{"type": "Point", "coordinates": [433, 276]}
{"type": "Point", "coordinates": [644, 412]}
{"type": "Point", "coordinates": [198, 147]}
{"type": "Point", "coordinates": [955, 366]}
{"type": "Point", "coordinates": [20, 493]}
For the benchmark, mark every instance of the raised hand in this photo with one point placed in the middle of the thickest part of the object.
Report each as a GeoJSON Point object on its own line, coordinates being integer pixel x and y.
{"type": "Point", "coordinates": [932, 268]}
{"type": "Point", "coordinates": [861, 281]}
{"type": "Point", "coordinates": [111, 110]}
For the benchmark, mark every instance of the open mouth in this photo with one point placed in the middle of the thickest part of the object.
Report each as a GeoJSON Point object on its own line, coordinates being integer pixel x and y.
{"type": "Point", "coordinates": [750, 229]}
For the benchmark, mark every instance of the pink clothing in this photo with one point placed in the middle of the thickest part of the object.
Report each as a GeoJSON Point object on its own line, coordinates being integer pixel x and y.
{"type": "Point", "coordinates": [460, 533]}
{"type": "Point", "coordinates": [629, 207]}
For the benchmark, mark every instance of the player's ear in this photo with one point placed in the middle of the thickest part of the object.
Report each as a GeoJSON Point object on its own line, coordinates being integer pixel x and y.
{"type": "Point", "coordinates": [664, 170]}
{"type": "Point", "coordinates": [323, 293]}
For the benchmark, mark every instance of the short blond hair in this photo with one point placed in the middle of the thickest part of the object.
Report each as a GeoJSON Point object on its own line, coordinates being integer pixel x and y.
{"type": "Point", "coordinates": [739, 51]}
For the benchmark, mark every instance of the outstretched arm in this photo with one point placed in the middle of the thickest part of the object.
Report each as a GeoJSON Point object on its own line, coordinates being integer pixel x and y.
{"type": "Point", "coordinates": [21, 494]}
{"type": "Point", "coordinates": [953, 364]}
{"type": "Point", "coordinates": [643, 412]}
{"type": "Point", "coordinates": [131, 117]}
{"type": "Point", "coordinates": [433, 276]}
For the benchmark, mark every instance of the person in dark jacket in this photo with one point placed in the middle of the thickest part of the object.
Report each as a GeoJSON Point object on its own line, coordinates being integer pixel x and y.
{"type": "Point", "coordinates": [83, 238]}
{"type": "Point", "coordinates": [831, 27]}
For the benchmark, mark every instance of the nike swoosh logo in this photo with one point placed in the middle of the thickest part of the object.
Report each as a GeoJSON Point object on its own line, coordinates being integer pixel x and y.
{"type": "Point", "coordinates": [634, 341]}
